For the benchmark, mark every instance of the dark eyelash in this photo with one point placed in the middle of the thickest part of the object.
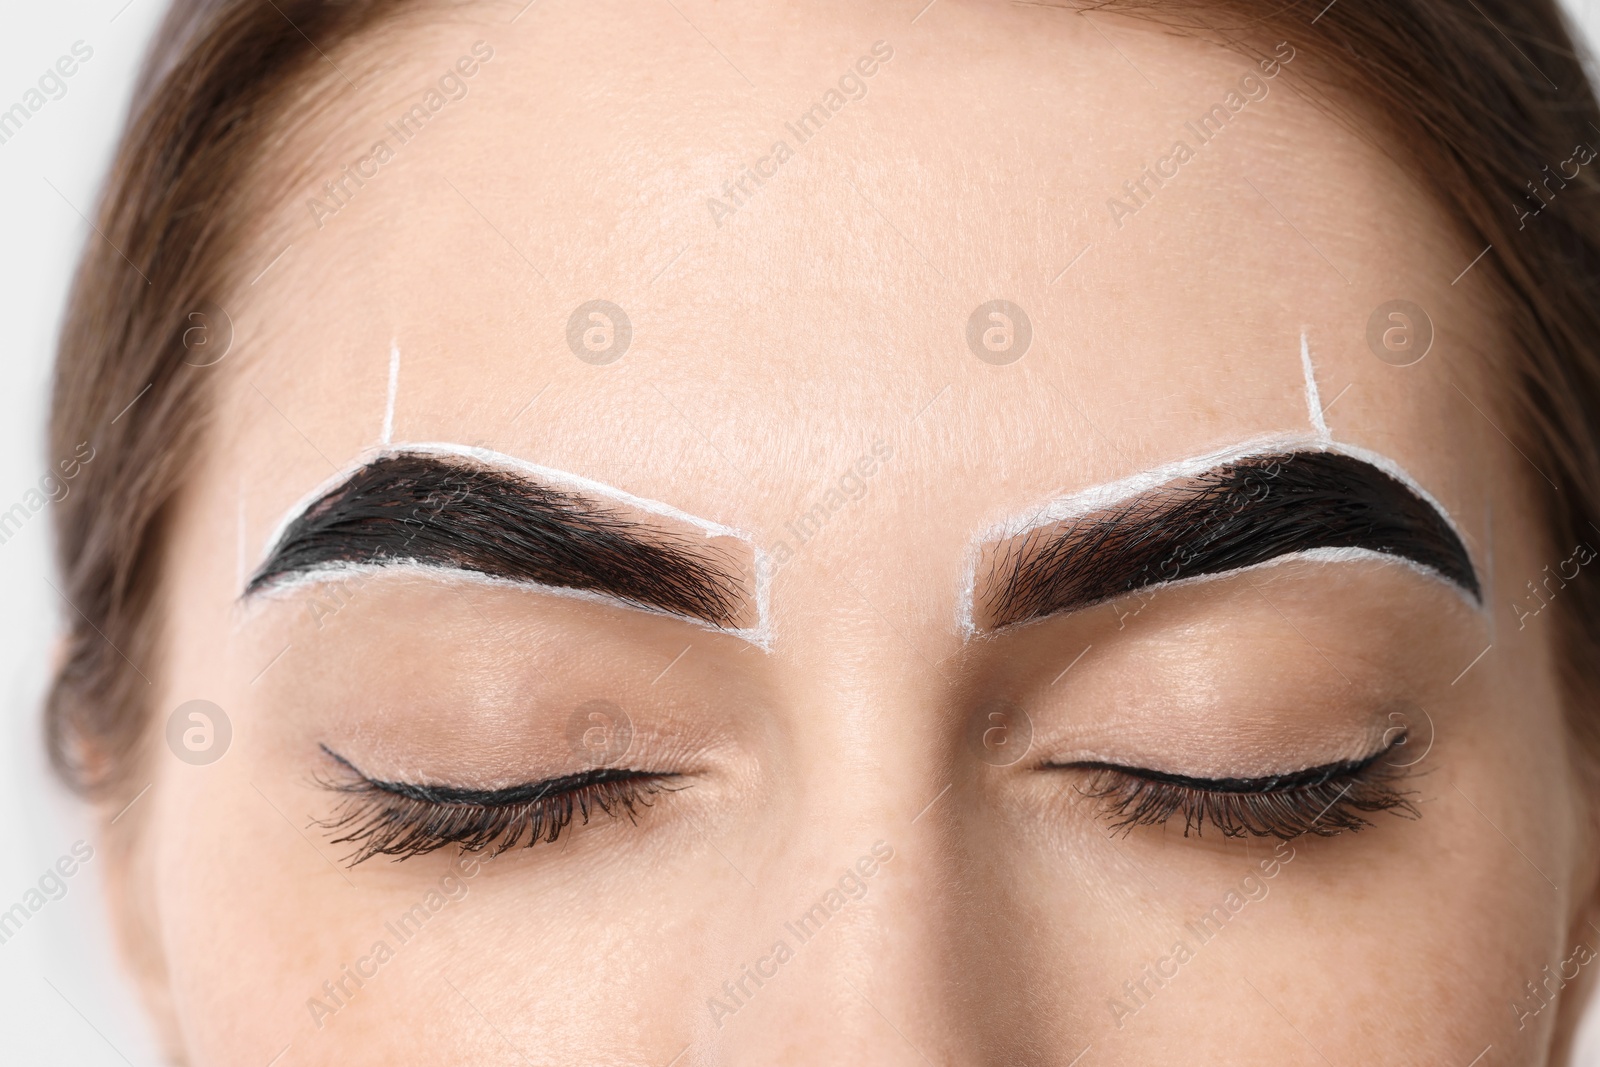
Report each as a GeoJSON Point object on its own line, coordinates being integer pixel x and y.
{"type": "Point", "coordinates": [1323, 801]}
{"type": "Point", "coordinates": [403, 819]}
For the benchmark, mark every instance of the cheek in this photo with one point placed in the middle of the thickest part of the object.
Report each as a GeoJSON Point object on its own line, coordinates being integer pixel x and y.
{"type": "Point", "coordinates": [237, 890]}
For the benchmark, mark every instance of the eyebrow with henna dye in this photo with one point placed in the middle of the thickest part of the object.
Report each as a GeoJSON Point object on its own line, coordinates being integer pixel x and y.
{"type": "Point", "coordinates": [1208, 517]}
{"type": "Point", "coordinates": [453, 511]}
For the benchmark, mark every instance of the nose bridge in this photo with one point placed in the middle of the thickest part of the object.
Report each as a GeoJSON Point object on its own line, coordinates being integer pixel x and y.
{"type": "Point", "coordinates": [852, 949]}
{"type": "Point", "coordinates": [852, 969]}
{"type": "Point", "coordinates": [853, 957]}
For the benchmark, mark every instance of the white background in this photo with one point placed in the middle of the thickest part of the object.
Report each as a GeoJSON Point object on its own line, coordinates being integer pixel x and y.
{"type": "Point", "coordinates": [62, 999]}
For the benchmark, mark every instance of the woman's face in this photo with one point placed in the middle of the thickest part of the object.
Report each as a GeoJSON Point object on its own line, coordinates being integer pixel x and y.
{"type": "Point", "coordinates": [848, 695]}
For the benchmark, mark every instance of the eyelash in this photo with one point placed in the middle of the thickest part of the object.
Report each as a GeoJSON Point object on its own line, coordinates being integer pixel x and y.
{"type": "Point", "coordinates": [401, 820]}
{"type": "Point", "coordinates": [1323, 801]}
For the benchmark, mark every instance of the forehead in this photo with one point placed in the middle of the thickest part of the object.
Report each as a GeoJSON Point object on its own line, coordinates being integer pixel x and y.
{"type": "Point", "coordinates": [786, 309]}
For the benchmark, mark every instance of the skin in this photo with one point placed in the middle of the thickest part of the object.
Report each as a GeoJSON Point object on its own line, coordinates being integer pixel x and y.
{"type": "Point", "coordinates": [824, 315]}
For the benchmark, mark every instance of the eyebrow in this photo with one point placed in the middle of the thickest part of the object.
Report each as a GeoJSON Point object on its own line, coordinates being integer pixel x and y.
{"type": "Point", "coordinates": [451, 513]}
{"type": "Point", "coordinates": [1238, 514]}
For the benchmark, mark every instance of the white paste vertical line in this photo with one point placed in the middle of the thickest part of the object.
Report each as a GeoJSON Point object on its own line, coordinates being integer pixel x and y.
{"type": "Point", "coordinates": [763, 635]}
{"type": "Point", "coordinates": [966, 606]}
{"type": "Point", "coordinates": [394, 386]}
{"type": "Point", "coordinates": [1313, 395]}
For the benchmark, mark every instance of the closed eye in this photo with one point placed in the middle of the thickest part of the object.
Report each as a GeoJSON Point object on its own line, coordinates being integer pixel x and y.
{"type": "Point", "coordinates": [404, 819]}
{"type": "Point", "coordinates": [1323, 800]}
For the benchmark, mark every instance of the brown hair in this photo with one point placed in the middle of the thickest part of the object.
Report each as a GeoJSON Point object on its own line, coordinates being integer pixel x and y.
{"type": "Point", "coordinates": [1481, 96]}
{"type": "Point", "coordinates": [174, 214]}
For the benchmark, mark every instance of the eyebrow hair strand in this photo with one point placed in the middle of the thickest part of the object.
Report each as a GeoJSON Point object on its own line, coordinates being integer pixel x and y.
{"type": "Point", "coordinates": [1239, 514]}
{"type": "Point", "coordinates": [447, 511]}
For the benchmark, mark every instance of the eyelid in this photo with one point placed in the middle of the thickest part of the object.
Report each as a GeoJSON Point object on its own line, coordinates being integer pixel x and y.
{"type": "Point", "coordinates": [401, 820]}
{"type": "Point", "coordinates": [1309, 776]}
{"type": "Point", "coordinates": [505, 796]}
{"type": "Point", "coordinates": [1281, 806]}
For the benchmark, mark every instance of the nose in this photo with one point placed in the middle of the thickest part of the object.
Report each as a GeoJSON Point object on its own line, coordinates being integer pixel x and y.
{"type": "Point", "coordinates": [865, 941]}
{"type": "Point", "coordinates": [852, 967]}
